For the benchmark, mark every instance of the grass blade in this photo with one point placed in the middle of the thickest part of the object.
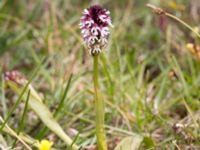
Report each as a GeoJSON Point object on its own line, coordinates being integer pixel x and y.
{"type": "Point", "coordinates": [21, 125]}
{"type": "Point", "coordinates": [60, 105]}
{"type": "Point", "coordinates": [44, 114]}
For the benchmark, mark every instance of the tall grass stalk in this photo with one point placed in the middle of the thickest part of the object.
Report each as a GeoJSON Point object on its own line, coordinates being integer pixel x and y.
{"type": "Point", "coordinates": [160, 11]}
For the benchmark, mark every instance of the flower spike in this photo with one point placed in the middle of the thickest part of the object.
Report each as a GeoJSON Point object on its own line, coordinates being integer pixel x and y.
{"type": "Point", "coordinates": [94, 25]}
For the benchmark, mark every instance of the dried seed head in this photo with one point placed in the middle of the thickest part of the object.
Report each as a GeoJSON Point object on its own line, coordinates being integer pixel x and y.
{"type": "Point", "coordinates": [16, 77]}
{"type": "Point", "coordinates": [157, 10]}
{"type": "Point", "coordinates": [94, 26]}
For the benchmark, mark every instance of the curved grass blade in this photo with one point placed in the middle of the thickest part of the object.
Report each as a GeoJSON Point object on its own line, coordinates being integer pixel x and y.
{"type": "Point", "coordinates": [35, 103]}
{"type": "Point", "coordinates": [60, 105]}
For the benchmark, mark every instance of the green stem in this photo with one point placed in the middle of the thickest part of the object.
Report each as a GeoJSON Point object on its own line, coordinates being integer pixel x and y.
{"type": "Point", "coordinates": [183, 23]}
{"type": "Point", "coordinates": [99, 109]}
{"type": "Point", "coordinates": [160, 11]}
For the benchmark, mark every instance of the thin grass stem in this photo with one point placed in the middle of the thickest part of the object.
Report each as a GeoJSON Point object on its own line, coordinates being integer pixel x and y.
{"type": "Point", "coordinates": [160, 11]}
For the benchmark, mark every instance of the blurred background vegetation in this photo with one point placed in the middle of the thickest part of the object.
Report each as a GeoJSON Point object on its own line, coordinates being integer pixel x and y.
{"type": "Point", "coordinates": [149, 79]}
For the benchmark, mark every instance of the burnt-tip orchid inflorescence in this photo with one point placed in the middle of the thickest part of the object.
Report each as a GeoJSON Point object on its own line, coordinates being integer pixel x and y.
{"type": "Point", "coordinates": [16, 77]}
{"type": "Point", "coordinates": [94, 25]}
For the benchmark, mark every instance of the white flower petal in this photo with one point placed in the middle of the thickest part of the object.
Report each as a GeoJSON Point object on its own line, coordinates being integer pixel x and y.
{"type": "Point", "coordinates": [86, 12]}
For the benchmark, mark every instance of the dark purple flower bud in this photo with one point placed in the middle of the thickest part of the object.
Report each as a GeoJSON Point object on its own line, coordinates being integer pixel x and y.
{"type": "Point", "coordinates": [94, 26]}
{"type": "Point", "coordinates": [16, 77]}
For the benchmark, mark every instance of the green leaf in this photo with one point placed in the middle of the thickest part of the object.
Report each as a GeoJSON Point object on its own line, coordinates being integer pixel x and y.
{"type": "Point", "coordinates": [130, 143]}
{"type": "Point", "coordinates": [42, 111]}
